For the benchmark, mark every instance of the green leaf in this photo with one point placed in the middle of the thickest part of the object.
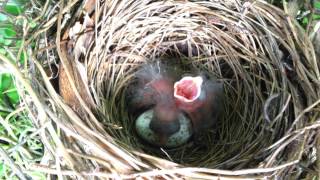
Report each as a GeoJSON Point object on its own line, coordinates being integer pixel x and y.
{"type": "Point", "coordinates": [13, 96]}
{"type": "Point", "coordinates": [317, 5]}
{"type": "Point", "coordinates": [5, 82]}
{"type": "Point", "coordinates": [7, 88]}
{"type": "Point", "coordinates": [9, 32]}
{"type": "Point", "coordinates": [1, 169]}
{"type": "Point", "coordinates": [3, 17]}
{"type": "Point", "coordinates": [3, 51]}
{"type": "Point", "coordinates": [4, 41]}
{"type": "Point", "coordinates": [32, 24]}
{"type": "Point", "coordinates": [305, 21]}
{"type": "Point", "coordinates": [316, 17]}
{"type": "Point", "coordinates": [13, 7]}
{"type": "Point", "coordinates": [3, 114]}
{"type": "Point", "coordinates": [18, 43]}
{"type": "Point", "coordinates": [23, 57]}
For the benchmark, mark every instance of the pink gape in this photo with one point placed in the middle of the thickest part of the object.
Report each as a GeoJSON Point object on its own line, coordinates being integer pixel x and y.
{"type": "Point", "coordinates": [188, 88]}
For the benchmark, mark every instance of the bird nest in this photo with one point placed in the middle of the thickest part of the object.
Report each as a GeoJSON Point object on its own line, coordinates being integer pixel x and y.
{"type": "Point", "coordinates": [267, 64]}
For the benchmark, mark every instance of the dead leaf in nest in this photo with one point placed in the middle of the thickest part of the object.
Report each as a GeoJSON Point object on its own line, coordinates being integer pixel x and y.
{"type": "Point", "coordinates": [79, 78]}
{"type": "Point", "coordinates": [88, 22]}
{"type": "Point", "coordinates": [81, 36]}
{"type": "Point", "coordinates": [75, 30]}
{"type": "Point", "coordinates": [90, 6]}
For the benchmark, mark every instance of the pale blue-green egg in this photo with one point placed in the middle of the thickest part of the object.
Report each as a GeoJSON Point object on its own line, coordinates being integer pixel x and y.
{"type": "Point", "coordinates": [176, 139]}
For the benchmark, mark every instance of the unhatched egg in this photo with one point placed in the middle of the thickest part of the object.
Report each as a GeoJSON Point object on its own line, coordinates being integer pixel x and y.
{"type": "Point", "coordinates": [176, 139]}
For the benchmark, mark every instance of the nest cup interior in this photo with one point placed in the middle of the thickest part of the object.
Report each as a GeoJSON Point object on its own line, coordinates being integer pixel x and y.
{"type": "Point", "coordinates": [262, 88]}
{"type": "Point", "coordinates": [241, 130]}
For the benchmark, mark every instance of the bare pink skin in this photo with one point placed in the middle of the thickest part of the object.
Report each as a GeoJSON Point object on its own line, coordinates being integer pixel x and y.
{"type": "Point", "coordinates": [165, 111]}
{"type": "Point", "coordinates": [200, 99]}
{"type": "Point", "coordinates": [188, 88]}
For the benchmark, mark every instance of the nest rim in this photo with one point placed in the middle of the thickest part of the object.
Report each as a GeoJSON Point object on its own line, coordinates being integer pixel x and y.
{"type": "Point", "coordinates": [128, 154]}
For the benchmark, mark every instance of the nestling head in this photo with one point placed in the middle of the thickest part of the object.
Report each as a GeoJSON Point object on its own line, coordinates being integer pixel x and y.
{"type": "Point", "coordinates": [188, 88]}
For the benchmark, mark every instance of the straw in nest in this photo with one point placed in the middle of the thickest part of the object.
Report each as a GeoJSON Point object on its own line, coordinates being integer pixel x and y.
{"type": "Point", "coordinates": [269, 68]}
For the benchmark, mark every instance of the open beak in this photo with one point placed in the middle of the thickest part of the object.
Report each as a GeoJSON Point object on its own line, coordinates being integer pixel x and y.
{"type": "Point", "coordinates": [188, 89]}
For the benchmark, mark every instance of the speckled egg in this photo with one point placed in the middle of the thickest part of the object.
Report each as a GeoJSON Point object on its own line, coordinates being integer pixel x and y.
{"type": "Point", "coordinates": [175, 140]}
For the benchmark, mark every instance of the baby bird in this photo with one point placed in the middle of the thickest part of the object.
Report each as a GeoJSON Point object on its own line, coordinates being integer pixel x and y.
{"type": "Point", "coordinates": [201, 98]}
{"type": "Point", "coordinates": [153, 89]}
{"type": "Point", "coordinates": [176, 109]}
